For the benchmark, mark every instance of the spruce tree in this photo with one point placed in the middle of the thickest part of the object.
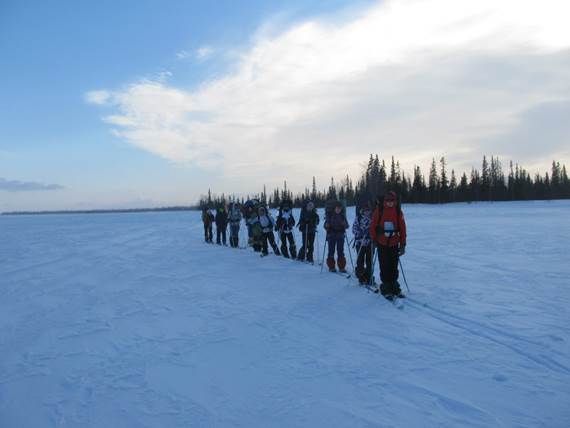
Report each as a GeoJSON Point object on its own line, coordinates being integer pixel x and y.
{"type": "Point", "coordinates": [433, 186]}
{"type": "Point", "coordinates": [443, 183]}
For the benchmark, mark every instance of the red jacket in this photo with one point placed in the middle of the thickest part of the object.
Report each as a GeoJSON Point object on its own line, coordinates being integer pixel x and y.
{"type": "Point", "coordinates": [392, 230]}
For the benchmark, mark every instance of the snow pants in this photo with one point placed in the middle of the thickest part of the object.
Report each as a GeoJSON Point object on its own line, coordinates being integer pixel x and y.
{"type": "Point", "coordinates": [364, 263]}
{"type": "Point", "coordinates": [208, 235]}
{"type": "Point", "coordinates": [335, 241]}
{"type": "Point", "coordinates": [288, 237]}
{"type": "Point", "coordinates": [308, 247]}
{"type": "Point", "coordinates": [268, 237]}
{"type": "Point", "coordinates": [388, 260]}
{"type": "Point", "coordinates": [234, 235]}
{"type": "Point", "coordinates": [221, 234]}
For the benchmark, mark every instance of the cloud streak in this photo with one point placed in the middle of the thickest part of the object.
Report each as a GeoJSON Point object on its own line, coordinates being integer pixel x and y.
{"type": "Point", "coordinates": [26, 186]}
{"type": "Point", "coordinates": [411, 78]}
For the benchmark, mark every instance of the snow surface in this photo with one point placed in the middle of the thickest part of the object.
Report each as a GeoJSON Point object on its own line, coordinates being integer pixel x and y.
{"type": "Point", "coordinates": [130, 320]}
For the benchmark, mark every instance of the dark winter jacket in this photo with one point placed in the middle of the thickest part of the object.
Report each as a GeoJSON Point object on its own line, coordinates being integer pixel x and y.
{"type": "Point", "coordinates": [285, 221]}
{"type": "Point", "coordinates": [221, 218]}
{"type": "Point", "coordinates": [308, 220]}
{"type": "Point", "coordinates": [336, 224]}
{"type": "Point", "coordinates": [361, 229]}
{"type": "Point", "coordinates": [207, 218]}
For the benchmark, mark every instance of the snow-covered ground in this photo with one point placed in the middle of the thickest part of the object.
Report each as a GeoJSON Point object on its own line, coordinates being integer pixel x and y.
{"type": "Point", "coordinates": [130, 320]}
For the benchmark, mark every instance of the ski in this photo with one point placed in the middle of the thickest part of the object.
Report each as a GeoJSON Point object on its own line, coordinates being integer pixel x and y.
{"type": "Point", "coordinates": [398, 302]}
{"type": "Point", "coordinates": [344, 274]}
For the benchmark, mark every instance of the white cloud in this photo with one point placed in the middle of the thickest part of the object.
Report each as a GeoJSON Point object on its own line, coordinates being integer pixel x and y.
{"type": "Point", "coordinates": [201, 54]}
{"type": "Point", "coordinates": [410, 78]}
{"type": "Point", "coordinates": [97, 97]}
{"type": "Point", "coordinates": [204, 52]}
{"type": "Point", "coordinates": [183, 54]}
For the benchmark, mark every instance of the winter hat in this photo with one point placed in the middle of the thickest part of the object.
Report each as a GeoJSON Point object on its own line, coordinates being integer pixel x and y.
{"type": "Point", "coordinates": [391, 196]}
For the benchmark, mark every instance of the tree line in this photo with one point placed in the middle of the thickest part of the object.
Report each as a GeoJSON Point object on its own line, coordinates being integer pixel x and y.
{"type": "Point", "coordinates": [490, 183]}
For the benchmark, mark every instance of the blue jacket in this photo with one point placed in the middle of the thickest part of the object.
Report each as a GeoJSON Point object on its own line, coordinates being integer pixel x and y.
{"type": "Point", "coordinates": [360, 230]}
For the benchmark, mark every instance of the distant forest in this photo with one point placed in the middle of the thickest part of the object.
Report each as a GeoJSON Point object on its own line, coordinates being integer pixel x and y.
{"type": "Point", "coordinates": [491, 183]}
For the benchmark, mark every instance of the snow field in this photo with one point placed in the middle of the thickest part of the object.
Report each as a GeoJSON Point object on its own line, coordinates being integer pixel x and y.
{"type": "Point", "coordinates": [130, 320]}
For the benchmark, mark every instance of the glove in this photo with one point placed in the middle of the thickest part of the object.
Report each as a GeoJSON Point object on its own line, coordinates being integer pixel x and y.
{"type": "Point", "coordinates": [402, 250]}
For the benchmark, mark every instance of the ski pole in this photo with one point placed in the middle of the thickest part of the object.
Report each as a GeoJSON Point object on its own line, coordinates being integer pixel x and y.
{"type": "Point", "coordinates": [373, 262]}
{"type": "Point", "coordinates": [349, 254]}
{"type": "Point", "coordinates": [323, 259]}
{"type": "Point", "coordinates": [306, 241]}
{"type": "Point", "coordinates": [318, 245]}
{"type": "Point", "coordinates": [403, 274]}
{"type": "Point", "coordinates": [358, 256]}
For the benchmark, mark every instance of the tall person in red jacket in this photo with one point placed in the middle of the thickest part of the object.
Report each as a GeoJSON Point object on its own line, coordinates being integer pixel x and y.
{"type": "Point", "coordinates": [388, 231]}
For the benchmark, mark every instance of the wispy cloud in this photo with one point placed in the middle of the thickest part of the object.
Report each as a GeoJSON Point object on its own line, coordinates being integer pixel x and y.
{"type": "Point", "coordinates": [97, 97]}
{"type": "Point", "coordinates": [204, 52]}
{"type": "Point", "coordinates": [411, 78]}
{"type": "Point", "coordinates": [26, 186]}
{"type": "Point", "coordinates": [201, 54]}
{"type": "Point", "coordinates": [183, 54]}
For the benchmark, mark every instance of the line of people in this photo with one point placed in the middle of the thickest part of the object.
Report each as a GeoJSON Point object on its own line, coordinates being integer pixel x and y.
{"type": "Point", "coordinates": [380, 228]}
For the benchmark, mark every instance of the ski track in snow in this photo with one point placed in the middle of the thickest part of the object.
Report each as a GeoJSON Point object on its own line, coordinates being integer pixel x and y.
{"type": "Point", "coordinates": [130, 320]}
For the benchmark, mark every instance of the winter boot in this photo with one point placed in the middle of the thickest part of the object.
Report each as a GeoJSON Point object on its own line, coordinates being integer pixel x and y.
{"type": "Point", "coordinates": [293, 251]}
{"type": "Point", "coordinates": [331, 264]}
{"type": "Point", "coordinates": [397, 290]}
{"type": "Point", "coordinates": [386, 289]}
{"type": "Point", "coordinates": [276, 250]}
{"type": "Point", "coordinates": [342, 264]}
{"type": "Point", "coordinates": [284, 252]}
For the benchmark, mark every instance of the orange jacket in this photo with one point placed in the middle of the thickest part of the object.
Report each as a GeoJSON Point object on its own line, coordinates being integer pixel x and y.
{"type": "Point", "coordinates": [390, 239]}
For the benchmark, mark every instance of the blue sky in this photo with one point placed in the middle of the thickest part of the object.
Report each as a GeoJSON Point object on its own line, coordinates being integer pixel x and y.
{"type": "Point", "coordinates": [109, 104]}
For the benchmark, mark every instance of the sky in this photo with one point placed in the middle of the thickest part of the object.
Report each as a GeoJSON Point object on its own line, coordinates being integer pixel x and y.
{"type": "Point", "coordinates": [148, 103]}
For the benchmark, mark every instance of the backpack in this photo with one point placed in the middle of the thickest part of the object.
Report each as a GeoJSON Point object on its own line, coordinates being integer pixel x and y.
{"type": "Point", "coordinates": [330, 205]}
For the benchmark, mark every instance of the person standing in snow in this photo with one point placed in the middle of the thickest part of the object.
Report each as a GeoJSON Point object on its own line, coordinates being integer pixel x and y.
{"type": "Point", "coordinates": [308, 222]}
{"type": "Point", "coordinates": [336, 225]}
{"type": "Point", "coordinates": [388, 232]}
{"type": "Point", "coordinates": [284, 226]}
{"type": "Point", "coordinates": [266, 223]}
{"type": "Point", "coordinates": [253, 229]}
{"type": "Point", "coordinates": [235, 221]}
{"type": "Point", "coordinates": [363, 244]}
{"type": "Point", "coordinates": [221, 225]}
{"type": "Point", "coordinates": [207, 219]}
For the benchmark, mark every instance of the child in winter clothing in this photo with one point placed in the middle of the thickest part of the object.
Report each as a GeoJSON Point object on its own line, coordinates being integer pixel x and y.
{"type": "Point", "coordinates": [336, 225]}
{"type": "Point", "coordinates": [253, 229]}
{"type": "Point", "coordinates": [221, 225]}
{"type": "Point", "coordinates": [308, 222]}
{"type": "Point", "coordinates": [235, 221]}
{"type": "Point", "coordinates": [388, 231]}
{"type": "Point", "coordinates": [284, 226]}
{"type": "Point", "coordinates": [207, 219]}
{"type": "Point", "coordinates": [266, 222]}
{"type": "Point", "coordinates": [362, 242]}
